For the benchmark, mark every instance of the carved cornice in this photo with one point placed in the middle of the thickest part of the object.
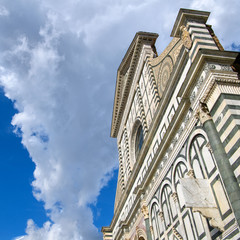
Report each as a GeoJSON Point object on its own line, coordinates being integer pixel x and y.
{"type": "Point", "coordinates": [185, 15]}
{"type": "Point", "coordinates": [221, 82]}
{"type": "Point", "coordinates": [224, 59]}
{"type": "Point", "coordinates": [123, 85]}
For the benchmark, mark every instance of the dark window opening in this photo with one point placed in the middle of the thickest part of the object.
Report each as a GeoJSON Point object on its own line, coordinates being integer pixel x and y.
{"type": "Point", "coordinates": [139, 140]}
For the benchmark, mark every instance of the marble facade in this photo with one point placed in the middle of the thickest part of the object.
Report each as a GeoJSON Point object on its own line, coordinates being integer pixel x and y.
{"type": "Point", "coordinates": [176, 118]}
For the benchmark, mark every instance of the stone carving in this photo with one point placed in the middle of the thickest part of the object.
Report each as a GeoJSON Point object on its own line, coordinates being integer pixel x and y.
{"type": "Point", "coordinates": [175, 197]}
{"type": "Point", "coordinates": [185, 37]}
{"type": "Point", "coordinates": [199, 82]}
{"type": "Point", "coordinates": [193, 96]}
{"type": "Point", "coordinates": [144, 210]}
{"type": "Point", "coordinates": [151, 229]}
{"type": "Point", "coordinates": [203, 113]}
{"type": "Point", "coordinates": [190, 173]}
{"type": "Point", "coordinates": [226, 68]}
{"type": "Point", "coordinates": [164, 74]}
{"type": "Point", "coordinates": [174, 54]}
{"type": "Point", "coordinates": [161, 216]}
{"type": "Point", "coordinates": [209, 66]}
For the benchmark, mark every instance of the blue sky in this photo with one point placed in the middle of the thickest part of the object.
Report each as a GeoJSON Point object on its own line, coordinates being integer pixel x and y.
{"type": "Point", "coordinates": [58, 64]}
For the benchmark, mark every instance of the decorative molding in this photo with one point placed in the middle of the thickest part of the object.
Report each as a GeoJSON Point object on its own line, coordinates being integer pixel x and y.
{"type": "Point", "coordinates": [185, 37]}
{"type": "Point", "coordinates": [141, 232]}
{"type": "Point", "coordinates": [142, 113]}
{"type": "Point", "coordinates": [144, 210]}
{"type": "Point", "coordinates": [129, 167]}
{"type": "Point", "coordinates": [153, 84]}
{"type": "Point", "coordinates": [177, 234]}
{"type": "Point", "coordinates": [164, 74]}
{"type": "Point", "coordinates": [129, 64]}
{"type": "Point", "coordinates": [210, 78]}
{"type": "Point", "coordinates": [161, 158]}
{"type": "Point", "coordinates": [121, 170]}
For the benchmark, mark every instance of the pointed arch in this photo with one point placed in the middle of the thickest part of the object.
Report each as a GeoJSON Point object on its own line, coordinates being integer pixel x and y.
{"type": "Point", "coordinates": [136, 141]}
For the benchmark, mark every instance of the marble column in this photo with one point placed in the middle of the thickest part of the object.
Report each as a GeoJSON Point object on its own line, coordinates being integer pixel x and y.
{"type": "Point", "coordinates": [144, 210]}
{"type": "Point", "coordinates": [225, 169]}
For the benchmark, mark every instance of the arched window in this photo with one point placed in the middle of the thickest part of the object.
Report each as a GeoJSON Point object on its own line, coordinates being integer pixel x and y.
{"type": "Point", "coordinates": [138, 140]}
{"type": "Point", "coordinates": [166, 207]}
{"type": "Point", "coordinates": [200, 157]}
{"type": "Point", "coordinates": [180, 172]}
{"type": "Point", "coordinates": [155, 221]}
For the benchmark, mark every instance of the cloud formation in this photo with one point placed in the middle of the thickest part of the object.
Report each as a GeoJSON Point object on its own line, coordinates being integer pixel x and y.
{"type": "Point", "coordinates": [58, 65]}
{"type": "Point", "coordinates": [3, 11]}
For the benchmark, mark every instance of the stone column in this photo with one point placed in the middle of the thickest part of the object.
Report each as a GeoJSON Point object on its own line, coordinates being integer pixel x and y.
{"type": "Point", "coordinates": [144, 210]}
{"type": "Point", "coordinates": [222, 160]}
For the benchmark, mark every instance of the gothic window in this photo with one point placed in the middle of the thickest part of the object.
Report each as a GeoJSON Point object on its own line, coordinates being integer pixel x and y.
{"type": "Point", "coordinates": [155, 221]}
{"type": "Point", "coordinates": [201, 159]}
{"type": "Point", "coordinates": [195, 156]}
{"type": "Point", "coordinates": [166, 194]}
{"type": "Point", "coordinates": [203, 166]}
{"type": "Point", "coordinates": [180, 172]}
{"type": "Point", "coordinates": [138, 140]}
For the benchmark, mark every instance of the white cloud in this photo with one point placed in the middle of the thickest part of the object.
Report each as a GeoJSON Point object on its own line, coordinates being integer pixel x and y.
{"type": "Point", "coordinates": [3, 11]}
{"type": "Point", "coordinates": [60, 71]}
{"type": "Point", "coordinates": [51, 119]}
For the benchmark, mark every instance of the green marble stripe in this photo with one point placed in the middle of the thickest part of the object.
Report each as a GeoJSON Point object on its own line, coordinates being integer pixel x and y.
{"type": "Point", "coordinates": [236, 163]}
{"type": "Point", "coordinates": [231, 135]}
{"type": "Point", "coordinates": [229, 211]}
{"type": "Point", "coordinates": [231, 96]}
{"type": "Point", "coordinates": [238, 179]}
{"type": "Point", "coordinates": [220, 99]}
{"type": "Point", "coordinates": [225, 169]}
{"type": "Point", "coordinates": [228, 225]}
{"type": "Point", "coordinates": [227, 123]}
{"type": "Point", "coordinates": [234, 233]}
{"type": "Point", "coordinates": [234, 148]}
{"type": "Point", "coordinates": [149, 236]}
{"type": "Point", "coordinates": [224, 112]}
{"type": "Point", "coordinates": [214, 236]}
